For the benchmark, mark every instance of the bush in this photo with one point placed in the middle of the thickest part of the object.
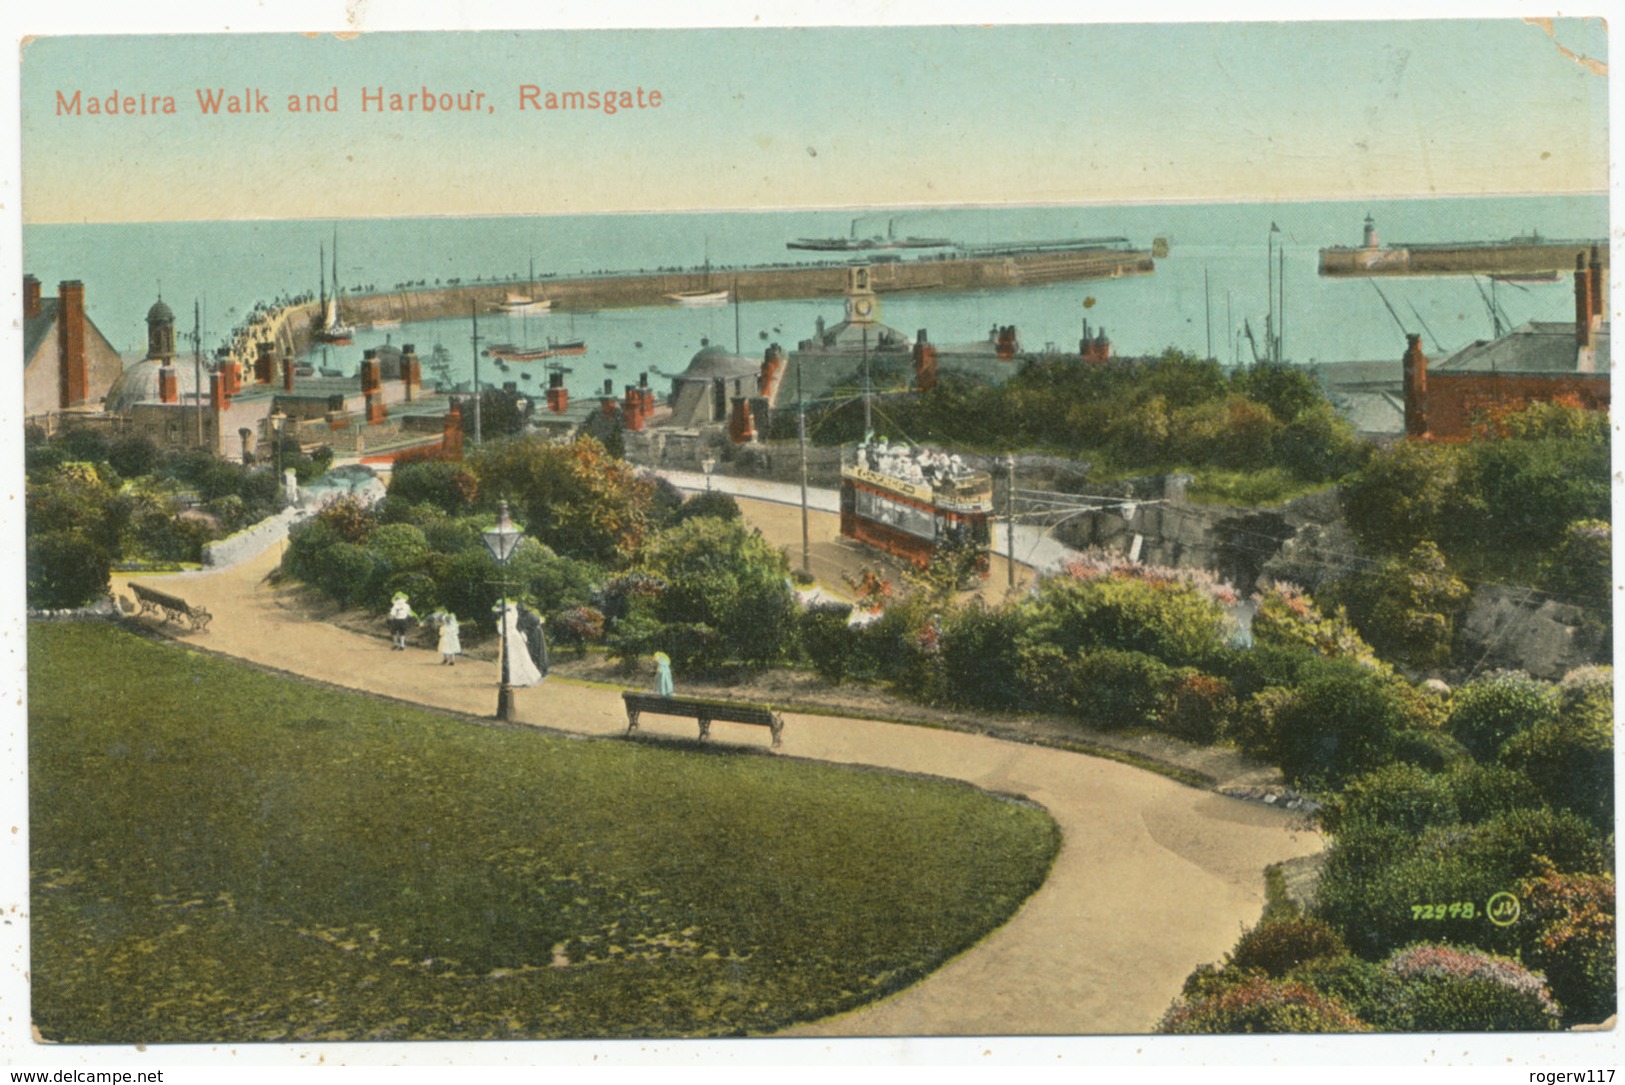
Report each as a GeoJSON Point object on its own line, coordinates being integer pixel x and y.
{"type": "Point", "coordinates": [1277, 947]}
{"type": "Point", "coordinates": [1288, 619]}
{"type": "Point", "coordinates": [1370, 992]}
{"type": "Point", "coordinates": [66, 570]}
{"type": "Point", "coordinates": [1429, 749]}
{"type": "Point", "coordinates": [980, 656]}
{"type": "Point", "coordinates": [1261, 1005]}
{"type": "Point", "coordinates": [133, 456]}
{"type": "Point", "coordinates": [578, 627]}
{"type": "Point", "coordinates": [1571, 765]}
{"type": "Point", "coordinates": [1407, 608]}
{"type": "Point", "coordinates": [1168, 620]}
{"type": "Point", "coordinates": [1110, 689]}
{"type": "Point", "coordinates": [829, 643]}
{"type": "Point", "coordinates": [1344, 722]}
{"type": "Point", "coordinates": [1485, 713]}
{"type": "Point", "coordinates": [448, 486]}
{"type": "Point", "coordinates": [709, 503]}
{"type": "Point", "coordinates": [1572, 916]}
{"type": "Point", "coordinates": [1197, 707]}
{"type": "Point", "coordinates": [1400, 796]}
{"type": "Point", "coordinates": [1486, 791]}
{"type": "Point", "coordinates": [1451, 989]}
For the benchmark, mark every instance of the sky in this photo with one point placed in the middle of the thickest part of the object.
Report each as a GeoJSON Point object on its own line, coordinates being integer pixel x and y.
{"type": "Point", "coordinates": [819, 117]}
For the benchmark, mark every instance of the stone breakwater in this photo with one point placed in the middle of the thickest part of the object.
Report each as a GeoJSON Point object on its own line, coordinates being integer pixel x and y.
{"type": "Point", "coordinates": [290, 326]}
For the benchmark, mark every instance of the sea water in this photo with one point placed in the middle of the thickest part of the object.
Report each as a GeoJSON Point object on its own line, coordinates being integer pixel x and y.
{"type": "Point", "coordinates": [1213, 285]}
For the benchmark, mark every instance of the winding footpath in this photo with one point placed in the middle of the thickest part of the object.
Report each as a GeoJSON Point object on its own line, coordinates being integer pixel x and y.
{"type": "Point", "coordinates": [1153, 877]}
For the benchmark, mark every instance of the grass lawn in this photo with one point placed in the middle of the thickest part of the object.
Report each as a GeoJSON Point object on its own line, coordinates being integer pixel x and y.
{"type": "Point", "coordinates": [222, 854]}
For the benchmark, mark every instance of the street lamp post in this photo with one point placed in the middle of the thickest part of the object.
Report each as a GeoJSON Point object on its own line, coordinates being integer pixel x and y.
{"type": "Point", "coordinates": [502, 540]}
{"type": "Point", "coordinates": [709, 465]}
{"type": "Point", "coordinates": [278, 422]}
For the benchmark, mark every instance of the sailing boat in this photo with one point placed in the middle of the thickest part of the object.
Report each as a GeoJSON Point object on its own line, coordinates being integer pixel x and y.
{"type": "Point", "coordinates": [525, 304]}
{"type": "Point", "coordinates": [333, 329]}
{"type": "Point", "coordinates": [705, 296]}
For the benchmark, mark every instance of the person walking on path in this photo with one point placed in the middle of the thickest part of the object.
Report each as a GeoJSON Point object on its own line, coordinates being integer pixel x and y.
{"type": "Point", "coordinates": [400, 619]}
{"type": "Point", "coordinates": [451, 644]}
{"type": "Point", "coordinates": [522, 669]}
{"type": "Point", "coordinates": [663, 682]}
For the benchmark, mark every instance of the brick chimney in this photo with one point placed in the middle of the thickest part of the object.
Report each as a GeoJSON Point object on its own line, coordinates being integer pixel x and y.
{"type": "Point", "coordinates": [1416, 388]}
{"type": "Point", "coordinates": [773, 364]}
{"type": "Point", "coordinates": [1582, 302]}
{"type": "Point", "coordinates": [376, 411]}
{"type": "Point", "coordinates": [74, 371]}
{"type": "Point", "coordinates": [1599, 289]}
{"type": "Point", "coordinates": [632, 408]}
{"type": "Point", "coordinates": [411, 371]}
{"type": "Point", "coordinates": [219, 392]}
{"type": "Point", "coordinates": [265, 363]}
{"type": "Point", "coordinates": [1008, 342]}
{"type": "Point", "coordinates": [287, 373]}
{"type": "Point", "coordinates": [169, 385]}
{"type": "Point", "coordinates": [925, 363]}
{"type": "Point", "coordinates": [558, 396]}
{"type": "Point", "coordinates": [451, 434]}
{"type": "Point", "coordinates": [741, 426]}
{"type": "Point", "coordinates": [372, 373]}
{"type": "Point", "coordinates": [31, 298]}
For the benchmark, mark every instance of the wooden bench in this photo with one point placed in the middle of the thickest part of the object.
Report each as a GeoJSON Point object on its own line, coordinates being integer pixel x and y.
{"type": "Point", "coordinates": [705, 711]}
{"type": "Point", "coordinates": [171, 607]}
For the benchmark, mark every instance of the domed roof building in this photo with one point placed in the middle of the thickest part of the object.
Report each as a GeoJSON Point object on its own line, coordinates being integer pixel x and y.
{"type": "Point", "coordinates": [702, 393]}
{"type": "Point", "coordinates": [139, 383]}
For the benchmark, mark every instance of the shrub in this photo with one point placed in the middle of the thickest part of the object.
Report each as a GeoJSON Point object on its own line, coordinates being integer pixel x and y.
{"type": "Point", "coordinates": [1399, 796]}
{"type": "Point", "coordinates": [1571, 765]}
{"type": "Point", "coordinates": [1344, 722]}
{"type": "Point", "coordinates": [1429, 749]}
{"type": "Point", "coordinates": [1196, 708]}
{"type": "Point", "coordinates": [1370, 992]}
{"type": "Point", "coordinates": [829, 643]}
{"type": "Point", "coordinates": [1261, 1005]}
{"type": "Point", "coordinates": [1110, 689]}
{"type": "Point", "coordinates": [980, 656]}
{"type": "Point", "coordinates": [1487, 712]}
{"type": "Point", "coordinates": [133, 456]}
{"type": "Point", "coordinates": [66, 570]}
{"type": "Point", "coordinates": [1169, 620]}
{"type": "Point", "coordinates": [1288, 618]}
{"type": "Point", "coordinates": [578, 627]}
{"type": "Point", "coordinates": [1574, 943]}
{"type": "Point", "coordinates": [1407, 608]}
{"type": "Point", "coordinates": [1486, 791]}
{"type": "Point", "coordinates": [708, 503]}
{"type": "Point", "coordinates": [1581, 567]}
{"type": "Point", "coordinates": [1452, 989]}
{"type": "Point", "coordinates": [448, 486]}
{"type": "Point", "coordinates": [1277, 947]}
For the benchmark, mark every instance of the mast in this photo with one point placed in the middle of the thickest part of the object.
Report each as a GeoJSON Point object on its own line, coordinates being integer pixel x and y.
{"type": "Point", "coordinates": [197, 368]}
{"type": "Point", "coordinates": [1207, 309]}
{"type": "Point", "coordinates": [474, 339]}
{"type": "Point", "coordinates": [321, 275]}
{"type": "Point", "coordinates": [1280, 331]}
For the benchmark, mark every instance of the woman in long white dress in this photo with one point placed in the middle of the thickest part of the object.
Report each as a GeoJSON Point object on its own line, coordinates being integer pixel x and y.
{"type": "Point", "coordinates": [522, 670]}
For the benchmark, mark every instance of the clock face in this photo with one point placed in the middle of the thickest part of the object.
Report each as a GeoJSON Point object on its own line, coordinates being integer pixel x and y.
{"type": "Point", "coordinates": [863, 307]}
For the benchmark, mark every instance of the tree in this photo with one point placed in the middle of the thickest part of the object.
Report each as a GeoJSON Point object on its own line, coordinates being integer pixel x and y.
{"type": "Point", "coordinates": [727, 587]}
{"type": "Point", "coordinates": [446, 485]}
{"type": "Point", "coordinates": [1407, 608]}
{"type": "Point", "coordinates": [1398, 498]}
{"type": "Point", "coordinates": [1344, 721]}
{"type": "Point", "coordinates": [573, 497]}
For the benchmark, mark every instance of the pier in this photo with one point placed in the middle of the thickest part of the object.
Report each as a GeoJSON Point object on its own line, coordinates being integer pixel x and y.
{"type": "Point", "coordinates": [651, 289]}
{"type": "Point", "coordinates": [1519, 256]}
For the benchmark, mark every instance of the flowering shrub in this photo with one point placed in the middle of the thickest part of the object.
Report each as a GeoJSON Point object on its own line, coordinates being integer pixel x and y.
{"type": "Point", "coordinates": [1197, 707]}
{"type": "Point", "coordinates": [1261, 1005]}
{"type": "Point", "coordinates": [1573, 915]}
{"type": "Point", "coordinates": [1288, 617]}
{"type": "Point", "coordinates": [578, 627]}
{"type": "Point", "coordinates": [874, 591]}
{"type": "Point", "coordinates": [1454, 989]}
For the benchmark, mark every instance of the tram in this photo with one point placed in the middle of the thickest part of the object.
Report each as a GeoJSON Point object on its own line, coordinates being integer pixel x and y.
{"type": "Point", "coordinates": [910, 501]}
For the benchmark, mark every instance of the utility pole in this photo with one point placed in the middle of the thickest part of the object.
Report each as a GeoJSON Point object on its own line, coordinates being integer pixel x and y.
{"type": "Point", "coordinates": [1207, 310]}
{"type": "Point", "coordinates": [474, 314]}
{"type": "Point", "coordinates": [197, 367]}
{"type": "Point", "coordinates": [801, 437]}
{"type": "Point", "coordinates": [1010, 518]}
{"type": "Point", "coordinates": [868, 416]}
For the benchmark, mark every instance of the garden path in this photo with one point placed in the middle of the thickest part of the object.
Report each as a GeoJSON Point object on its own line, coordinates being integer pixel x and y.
{"type": "Point", "coordinates": [1153, 877]}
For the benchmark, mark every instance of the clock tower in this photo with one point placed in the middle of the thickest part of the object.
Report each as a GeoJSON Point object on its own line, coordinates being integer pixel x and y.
{"type": "Point", "coordinates": [862, 307]}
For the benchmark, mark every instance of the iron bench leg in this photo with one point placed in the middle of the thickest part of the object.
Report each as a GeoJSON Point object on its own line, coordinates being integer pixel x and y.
{"type": "Point", "coordinates": [705, 728]}
{"type": "Point", "coordinates": [631, 720]}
